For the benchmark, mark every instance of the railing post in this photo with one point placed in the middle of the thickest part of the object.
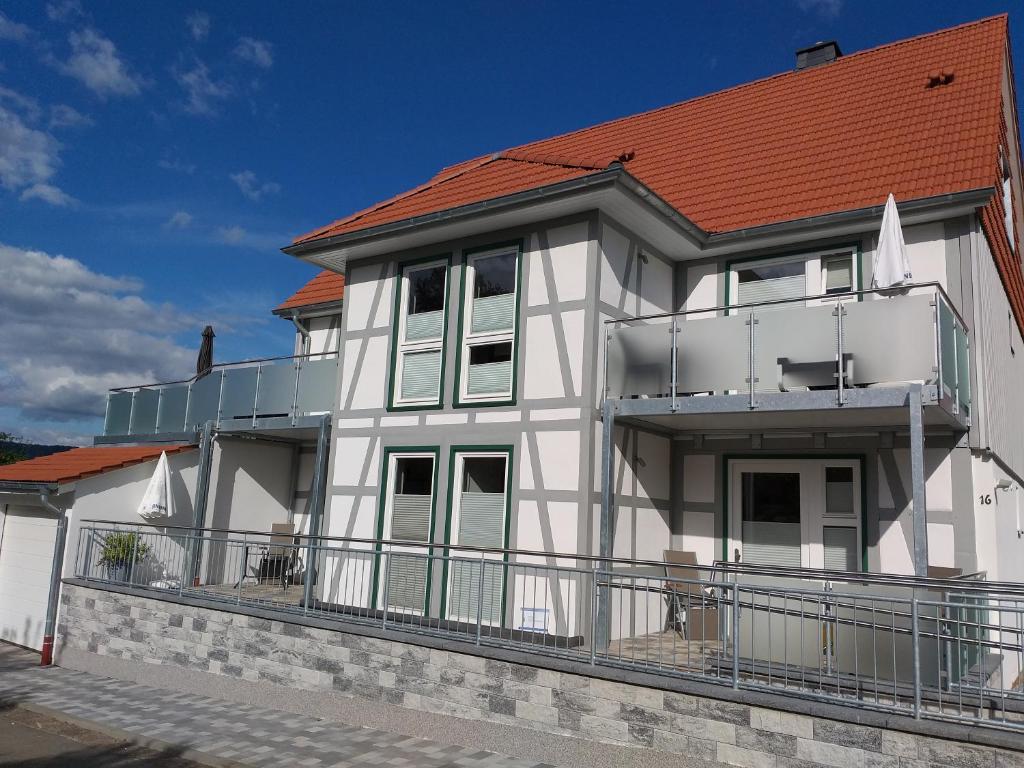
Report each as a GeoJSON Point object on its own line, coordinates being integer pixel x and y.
{"type": "Point", "coordinates": [937, 320]}
{"type": "Point", "coordinates": [220, 396]}
{"type": "Point", "coordinates": [387, 584]}
{"type": "Point", "coordinates": [595, 569]}
{"type": "Point", "coordinates": [840, 361]}
{"type": "Point", "coordinates": [915, 633]}
{"type": "Point", "coordinates": [88, 552]}
{"type": "Point", "coordinates": [106, 416]}
{"type": "Point", "coordinates": [241, 566]}
{"type": "Point", "coordinates": [480, 601]}
{"type": "Point", "coordinates": [675, 373]}
{"type": "Point", "coordinates": [295, 390]}
{"type": "Point", "coordinates": [256, 396]}
{"type": "Point", "coordinates": [131, 414]}
{"type": "Point", "coordinates": [188, 402]}
{"type": "Point", "coordinates": [956, 372]}
{"type": "Point", "coordinates": [735, 635]}
{"type": "Point", "coordinates": [159, 410]}
{"type": "Point", "coordinates": [752, 357]}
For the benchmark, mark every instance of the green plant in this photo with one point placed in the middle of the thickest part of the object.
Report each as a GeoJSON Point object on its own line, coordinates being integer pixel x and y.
{"type": "Point", "coordinates": [118, 548]}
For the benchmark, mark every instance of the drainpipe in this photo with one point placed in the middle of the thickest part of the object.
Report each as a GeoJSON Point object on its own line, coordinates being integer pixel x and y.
{"type": "Point", "coordinates": [303, 331]}
{"type": "Point", "coordinates": [46, 658]}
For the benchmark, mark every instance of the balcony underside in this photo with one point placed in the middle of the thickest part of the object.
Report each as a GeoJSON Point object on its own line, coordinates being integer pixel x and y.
{"type": "Point", "coordinates": [886, 407]}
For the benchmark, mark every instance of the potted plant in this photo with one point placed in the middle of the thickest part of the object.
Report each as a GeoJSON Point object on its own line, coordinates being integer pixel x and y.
{"type": "Point", "coordinates": [118, 552]}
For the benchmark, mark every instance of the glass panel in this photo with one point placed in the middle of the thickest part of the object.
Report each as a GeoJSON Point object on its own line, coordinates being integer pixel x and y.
{"type": "Point", "coordinates": [639, 360]}
{"type": "Point", "coordinates": [172, 408]}
{"type": "Point", "coordinates": [838, 277]}
{"type": "Point", "coordinates": [490, 369]}
{"type": "Point", "coordinates": [277, 389]}
{"type": "Point", "coordinates": [426, 290]}
{"type": "Point", "coordinates": [494, 275]}
{"type": "Point", "coordinates": [239, 393]}
{"type": "Point", "coordinates": [424, 326]}
{"type": "Point", "coordinates": [712, 354]}
{"type": "Point", "coordinates": [119, 413]}
{"type": "Point", "coordinates": [203, 400]}
{"type": "Point", "coordinates": [839, 491]}
{"type": "Point", "coordinates": [769, 282]}
{"type": "Point", "coordinates": [947, 347]}
{"type": "Point", "coordinates": [421, 375]}
{"type": "Point", "coordinates": [316, 385]}
{"type": "Point", "coordinates": [795, 348]}
{"type": "Point", "coordinates": [771, 518]}
{"type": "Point", "coordinates": [890, 339]}
{"type": "Point", "coordinates": [840, 548]}
{"type": "Point", "coordinates": [494, 313]}
{"type": "Point", "coordinates": [144, 411]}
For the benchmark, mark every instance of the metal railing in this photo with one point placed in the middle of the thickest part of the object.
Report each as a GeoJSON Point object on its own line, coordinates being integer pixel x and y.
{"type": "Point", "coordinates": [949, 649]}
{"type": "Point", "coordinates": [275, 387]}
{"type": "Point", "coordinates": [839, 342]}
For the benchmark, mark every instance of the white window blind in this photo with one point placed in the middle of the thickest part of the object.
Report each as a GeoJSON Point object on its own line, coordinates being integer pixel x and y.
{"type": "Point", "coordinates": [840, 548]}
{"type": "Point", "coordinates": [772, 289]}
{"type": "Point", "coordinates": [488, 378]}
{"type": "Point", "coordinates": [421, 375]}
{"type": "Point", "coordinates": [838, 275]}
{"type": "Point", "coordinates": [425, 325]}
{"type": "Point", "coordinates": [771, 543]}
{"type": "Point", "coordinates": [494, 313]}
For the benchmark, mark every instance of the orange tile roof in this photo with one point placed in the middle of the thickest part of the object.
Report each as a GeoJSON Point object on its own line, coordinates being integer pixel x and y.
{"type": "Point", "coordinates": [835, 137]}
{"type": "Point", "coordinates": [325, 287]}
{"type": "Point", "coordinates": [78, 463]}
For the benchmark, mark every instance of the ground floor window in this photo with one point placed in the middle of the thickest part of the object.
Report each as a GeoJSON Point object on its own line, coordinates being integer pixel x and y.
{"type": "Point", "coordinates": [478, 517]}
{"type": "Point", "coordinates": [798, 513]}
{"type": "Point", "coordinates": [407, 519]}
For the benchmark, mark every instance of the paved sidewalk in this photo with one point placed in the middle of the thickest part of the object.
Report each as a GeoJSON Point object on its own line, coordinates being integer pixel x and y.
{"type": "Point", "coordinates": [228, 732]}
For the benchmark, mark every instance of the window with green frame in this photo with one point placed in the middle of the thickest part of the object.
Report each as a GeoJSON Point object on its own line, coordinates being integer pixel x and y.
{"type": "Point", "coordinates": [490, 304]}
{"type": "Point", "coordinates": [407, 519]}
{"type": "Point", "coordinates": [419, 339]}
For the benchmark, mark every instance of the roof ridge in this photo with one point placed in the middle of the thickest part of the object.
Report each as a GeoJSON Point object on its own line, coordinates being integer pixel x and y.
{"type": "Point", "coordinates": [778, 75]}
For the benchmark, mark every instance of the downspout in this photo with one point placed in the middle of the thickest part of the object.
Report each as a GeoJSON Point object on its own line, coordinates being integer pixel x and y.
{"type": "Point", "coordinates": [303, 331]}
{"type": "Point", "coordinates": [57, 568]}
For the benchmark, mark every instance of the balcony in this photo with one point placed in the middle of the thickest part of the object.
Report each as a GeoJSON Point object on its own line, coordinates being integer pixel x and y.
{"type": "Point", "coordinates": [282, 392]}
{"type": "Point", "coordinates": [831, 354]}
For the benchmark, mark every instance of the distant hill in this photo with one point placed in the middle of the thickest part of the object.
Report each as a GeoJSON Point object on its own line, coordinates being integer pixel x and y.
{"type": "Point", "coordinates": [31, 450]}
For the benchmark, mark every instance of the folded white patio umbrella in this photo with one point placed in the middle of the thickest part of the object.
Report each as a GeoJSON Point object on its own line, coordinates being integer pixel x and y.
{"type": "Point", "coordinates": [157, 503]}
{"type": "Point", "coordinates": [891, 267]}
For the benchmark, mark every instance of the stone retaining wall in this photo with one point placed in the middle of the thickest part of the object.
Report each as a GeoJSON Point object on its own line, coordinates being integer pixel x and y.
{"type": "Point", "coordinates": [400, 672]}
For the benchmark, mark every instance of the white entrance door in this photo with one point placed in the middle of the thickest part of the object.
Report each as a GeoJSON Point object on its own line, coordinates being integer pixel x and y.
{"type": "Point", "coordinates": [26, 557]}
{"type": "Point", "coordinates": [800, 513]}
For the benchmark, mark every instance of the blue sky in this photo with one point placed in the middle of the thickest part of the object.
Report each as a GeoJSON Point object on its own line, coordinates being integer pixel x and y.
{"type": "Point", "coordinates": [155, 156]}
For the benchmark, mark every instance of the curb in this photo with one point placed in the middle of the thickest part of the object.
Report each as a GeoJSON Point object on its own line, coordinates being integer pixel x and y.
{"type": "Point", "coordinates": [149, 742]}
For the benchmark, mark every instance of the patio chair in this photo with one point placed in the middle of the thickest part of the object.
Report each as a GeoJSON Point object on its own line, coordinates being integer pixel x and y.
{"type": "Point", "coordinates": [278, 561]}
{"type": "Point", "coordinates": [691, 608]}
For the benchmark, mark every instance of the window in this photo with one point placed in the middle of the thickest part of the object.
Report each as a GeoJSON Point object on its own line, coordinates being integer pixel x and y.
{"type": "Point", "coordinates": [407, 517]}
{"type": "Point", "coordinates": [488, 344]}
{"type": "Point", "coordinates": [419, 338]}
{"type": "Point", "coordinates": [479, 516]}
{"type": "Point", "coordinates": [792, 277]}
{"type": "Point", "coordinates": [771, 518]}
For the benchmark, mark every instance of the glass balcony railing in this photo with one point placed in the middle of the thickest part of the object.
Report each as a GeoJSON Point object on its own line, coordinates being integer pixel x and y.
{"type": "Point", "coordinates": [289, 387]}
{"type": "Point", "coordinates": [854, 340]}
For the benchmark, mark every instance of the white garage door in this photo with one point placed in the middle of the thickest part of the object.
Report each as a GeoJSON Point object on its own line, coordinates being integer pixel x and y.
{"type": "Point", "coordinates": [26, 554]}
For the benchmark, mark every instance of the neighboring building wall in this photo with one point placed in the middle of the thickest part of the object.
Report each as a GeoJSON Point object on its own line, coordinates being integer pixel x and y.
{"type": "Point", "coordinates": [250, 484]}
{"type": "Point", "coordinates": [550, 427]}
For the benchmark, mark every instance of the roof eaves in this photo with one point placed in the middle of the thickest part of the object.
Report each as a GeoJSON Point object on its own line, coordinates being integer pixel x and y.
{"type": "Point", "coordinates": [26, 486]}
{"type": "Point", "coordinates": [308, 309]}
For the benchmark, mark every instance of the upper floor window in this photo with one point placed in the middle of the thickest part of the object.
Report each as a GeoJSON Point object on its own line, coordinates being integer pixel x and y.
{"type": "Point", "coordinates": [419, 343]}
{"type": "Point", "coordinates": [782, 278]}
{"type": "Point", "coordinates": [487, 351]}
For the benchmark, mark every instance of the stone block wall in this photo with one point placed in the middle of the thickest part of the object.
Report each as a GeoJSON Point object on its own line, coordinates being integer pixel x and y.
{"type": "Point", "coordinates": [400, 672]}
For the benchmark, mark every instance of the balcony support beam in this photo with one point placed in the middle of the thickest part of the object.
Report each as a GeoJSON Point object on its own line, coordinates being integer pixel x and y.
{"type": "Point", "coordinates": [919, 502]}
{"type": "Point", "coordinates": [602, 622]}
{"type": "Point", "coordinates": [316, 508]}
{"type": "Point", "coordinates": [202, 495]}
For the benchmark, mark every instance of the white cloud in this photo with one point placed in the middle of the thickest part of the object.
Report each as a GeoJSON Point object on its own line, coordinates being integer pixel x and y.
{"type": "Point", "coordinates": [12, 30]}
{"type": "Point", "coordinates": [28, 160]}
{"type": "Point", "coordinates": [95, 62]}
{"type": "Point", "coordinates": [26, 104]}
{"type": "Point", "coordinates": [63, 116]}
{"type": "Point", "coordinates": [180, 220]}
{"type": "Point", "coordinates": [258, 52]}
{"type": "Point", "coordinates": [64, 10]}
{"type": "Point", "coordinates": [177, 165]}
{"type": "Point", "coordinates": [71, 333]}
{"type": "Point", "coordinates": [251, 187]}
{"type": "Point", "coordinates": [231, 235]}
{"type": "Point", "coordinates": [49, 194]}
{"type": "Point", "coordinates": [201, 91]}
{"type": "Point", "coordinates": [198, 24]}
{"type": "Point", "coordinates": [827, 8]}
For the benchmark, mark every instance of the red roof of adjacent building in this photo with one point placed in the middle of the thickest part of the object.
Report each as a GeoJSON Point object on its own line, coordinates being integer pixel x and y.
{"type": "Point", "coordinates": [834, 137]}
{"type": "Point", "coordinates": [78, 463]}
{"type": "Point", "coordinates": [324, 288]}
